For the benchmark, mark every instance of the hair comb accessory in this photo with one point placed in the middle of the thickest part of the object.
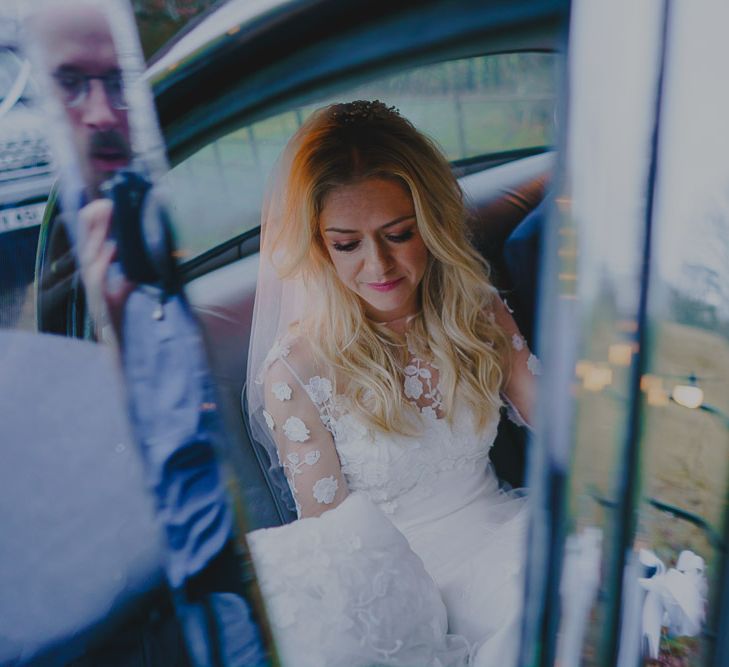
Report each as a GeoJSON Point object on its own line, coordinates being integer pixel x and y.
{"type": "Point", "coordinates": [363, 110]}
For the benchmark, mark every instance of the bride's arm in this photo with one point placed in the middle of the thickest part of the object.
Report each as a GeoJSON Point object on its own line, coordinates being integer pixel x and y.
{"type": "Point", "coordinates": [305, 446]}
{"type": "Point", "coordinates": [519, 389]}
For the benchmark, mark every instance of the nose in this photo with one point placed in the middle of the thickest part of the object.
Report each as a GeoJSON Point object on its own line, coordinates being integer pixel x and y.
{"type": "Point", "coordinates": [97, 111]}
{"type": "Point", "coordinates": [378, 259]}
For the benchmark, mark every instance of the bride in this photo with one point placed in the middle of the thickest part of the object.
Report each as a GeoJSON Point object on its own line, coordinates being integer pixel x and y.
{"type": "Point", "coordinates": [380, 357]}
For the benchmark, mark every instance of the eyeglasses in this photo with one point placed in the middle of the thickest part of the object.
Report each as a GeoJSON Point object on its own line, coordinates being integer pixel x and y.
{"type": "Point", "coordinates": [75, 88]}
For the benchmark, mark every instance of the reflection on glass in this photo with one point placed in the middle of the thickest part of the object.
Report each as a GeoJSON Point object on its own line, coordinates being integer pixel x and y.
{"type": "Point", "coordinates": [116, 265]}
{"type": "Point", "coordinates": [685, 440]}
{"type": "Point", "coordinates": [159, 22]}
{"type": "Point", "coordinates": [689, 396]}
{"type": "Point", "coordinates": [25, 174]}
{"type": "Point", "coordinates": [612, 106]}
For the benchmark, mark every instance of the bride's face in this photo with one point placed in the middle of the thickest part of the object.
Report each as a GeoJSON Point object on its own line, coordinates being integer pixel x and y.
{"type": "Point", "coordinates": [372, 237]}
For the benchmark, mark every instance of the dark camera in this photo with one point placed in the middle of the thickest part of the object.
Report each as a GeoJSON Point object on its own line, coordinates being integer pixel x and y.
{"type": "Point", "coordinates": [142, 229]}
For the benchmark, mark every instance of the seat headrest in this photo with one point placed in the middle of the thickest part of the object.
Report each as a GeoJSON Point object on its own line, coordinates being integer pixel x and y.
{"type": "Point", "coordinates": [499, 198]}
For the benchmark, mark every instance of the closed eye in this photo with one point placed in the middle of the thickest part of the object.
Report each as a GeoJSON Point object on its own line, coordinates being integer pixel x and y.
{"type": "Point", "coordinates": [402, 237]}
{"type": "Point", "coordinates": [345, 247]}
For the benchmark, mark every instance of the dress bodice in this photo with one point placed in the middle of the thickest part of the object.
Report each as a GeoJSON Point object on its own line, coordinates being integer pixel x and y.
{"type": "Point", "coordinates": [440, 466]}
{"type": "Point", "coordinates": [399, 472]}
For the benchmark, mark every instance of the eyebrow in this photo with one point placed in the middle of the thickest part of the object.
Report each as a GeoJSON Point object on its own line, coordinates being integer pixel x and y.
{"type": "Point", "coordinates": [385, 226]}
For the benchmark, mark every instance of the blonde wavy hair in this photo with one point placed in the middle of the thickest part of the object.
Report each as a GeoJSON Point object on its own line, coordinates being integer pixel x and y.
{"type": "Point", "coordinates": [347, 143]}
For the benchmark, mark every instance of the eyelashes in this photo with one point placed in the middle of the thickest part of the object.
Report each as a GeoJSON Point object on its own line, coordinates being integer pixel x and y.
{"type": "Point", "coordinates": [401, 238]}
{"type": "Point", "coordinates": [351, 246]}
{"type": "Point", "coordinates": [345, 247]}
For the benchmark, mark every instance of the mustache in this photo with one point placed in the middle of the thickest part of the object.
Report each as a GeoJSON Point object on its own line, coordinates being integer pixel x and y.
{"type": "Point", "coordinates": [109, 140]}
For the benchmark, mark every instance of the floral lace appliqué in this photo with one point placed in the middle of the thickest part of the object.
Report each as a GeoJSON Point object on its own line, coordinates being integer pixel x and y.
{"type": "Point", "coordinates": [534, 365]}
{"type": "Point", "coordinates": [279, 349]}
{"type": "Point", "coordinates": [420, 388]}
{"type": "Point", "coordinates": [392, 470]}
{"type": "Point", "coordinates": [429, 412]}
{"type": "Point", "coordinates": [281, 391]}
{"type": "Point", "coordinates": [295, 430]}
{"type": "Point", "coordinates": [294, 464]}
{"type": "Point", "coordinates": [319, 389]}
{"type": "Point", "coordinates": [413, 384]}
{"type": "Point", "coordinates": [325, 489]}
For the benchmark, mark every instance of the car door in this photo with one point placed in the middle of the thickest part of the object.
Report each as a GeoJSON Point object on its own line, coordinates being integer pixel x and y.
{"type": "Point", "coordinates": [632, 474]}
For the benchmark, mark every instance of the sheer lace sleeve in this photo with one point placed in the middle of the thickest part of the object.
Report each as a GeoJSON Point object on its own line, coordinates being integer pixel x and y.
{"type": "Point", "coordinates": [294, 411]}
{"type": "Point", "coordinates": [520, 388]}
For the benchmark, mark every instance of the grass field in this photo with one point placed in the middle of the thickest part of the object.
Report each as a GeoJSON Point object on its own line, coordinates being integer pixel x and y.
{"type": "Point", "coordinates": [686, 452]}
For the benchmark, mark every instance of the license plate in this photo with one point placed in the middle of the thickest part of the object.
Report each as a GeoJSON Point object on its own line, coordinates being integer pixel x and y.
{"type": "Point", "coordinates": [21, 217]}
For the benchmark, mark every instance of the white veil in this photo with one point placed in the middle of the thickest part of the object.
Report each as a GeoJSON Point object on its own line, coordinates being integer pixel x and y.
{"type": "Point", "coordinates": [278, 304]}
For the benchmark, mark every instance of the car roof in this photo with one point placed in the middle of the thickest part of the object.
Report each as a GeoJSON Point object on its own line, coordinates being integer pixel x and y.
{"type": "Point", "coordinates": [221, 20]}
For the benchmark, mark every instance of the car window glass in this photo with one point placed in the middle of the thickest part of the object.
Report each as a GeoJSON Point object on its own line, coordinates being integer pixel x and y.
{"type": "Point", "coordinates": [685, 412]}
{"type": "Point", "coordinates": [116, 262]}
{"type": "Point", "coordinates": [476, 106]}
{"type": "Point", "coordinates": [25, 177]}
{"type": "Point", "coordinates": [471, 107]}
{"type": "Point", "coordinates": [589, 328]}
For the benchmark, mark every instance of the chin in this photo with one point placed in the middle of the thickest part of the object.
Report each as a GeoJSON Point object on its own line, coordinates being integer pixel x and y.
{"type": "Point", "coordinates": [386, 309]}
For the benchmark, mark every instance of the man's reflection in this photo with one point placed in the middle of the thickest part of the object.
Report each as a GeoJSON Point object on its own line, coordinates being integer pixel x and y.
{"type": "Point", "coordinates": [78, 49]}
{"type": "Point", "coordinates": [171, 401]}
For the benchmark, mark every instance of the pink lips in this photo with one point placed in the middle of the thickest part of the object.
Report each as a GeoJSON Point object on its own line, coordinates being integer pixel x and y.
{"type": "Point", "coordinates": [385, 287]}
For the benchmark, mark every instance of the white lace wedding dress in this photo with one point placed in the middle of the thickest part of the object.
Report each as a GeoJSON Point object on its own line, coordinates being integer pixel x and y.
{"type": "Point", "coordinates": [421, 564]}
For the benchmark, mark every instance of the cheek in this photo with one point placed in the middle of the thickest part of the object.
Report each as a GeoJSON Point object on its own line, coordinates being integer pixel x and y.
{"type": "Point", "coordinates": [416, 257]}
{"type": "Point", "coordinates": [344, 266]}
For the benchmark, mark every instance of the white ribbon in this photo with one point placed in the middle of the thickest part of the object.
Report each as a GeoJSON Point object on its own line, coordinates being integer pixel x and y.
{"type": "Point", "coordinates": [675, 598]}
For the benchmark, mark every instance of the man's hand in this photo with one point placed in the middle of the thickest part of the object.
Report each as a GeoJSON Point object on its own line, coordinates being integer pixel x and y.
{"type": "Point", "coordinates": [106, 294]}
